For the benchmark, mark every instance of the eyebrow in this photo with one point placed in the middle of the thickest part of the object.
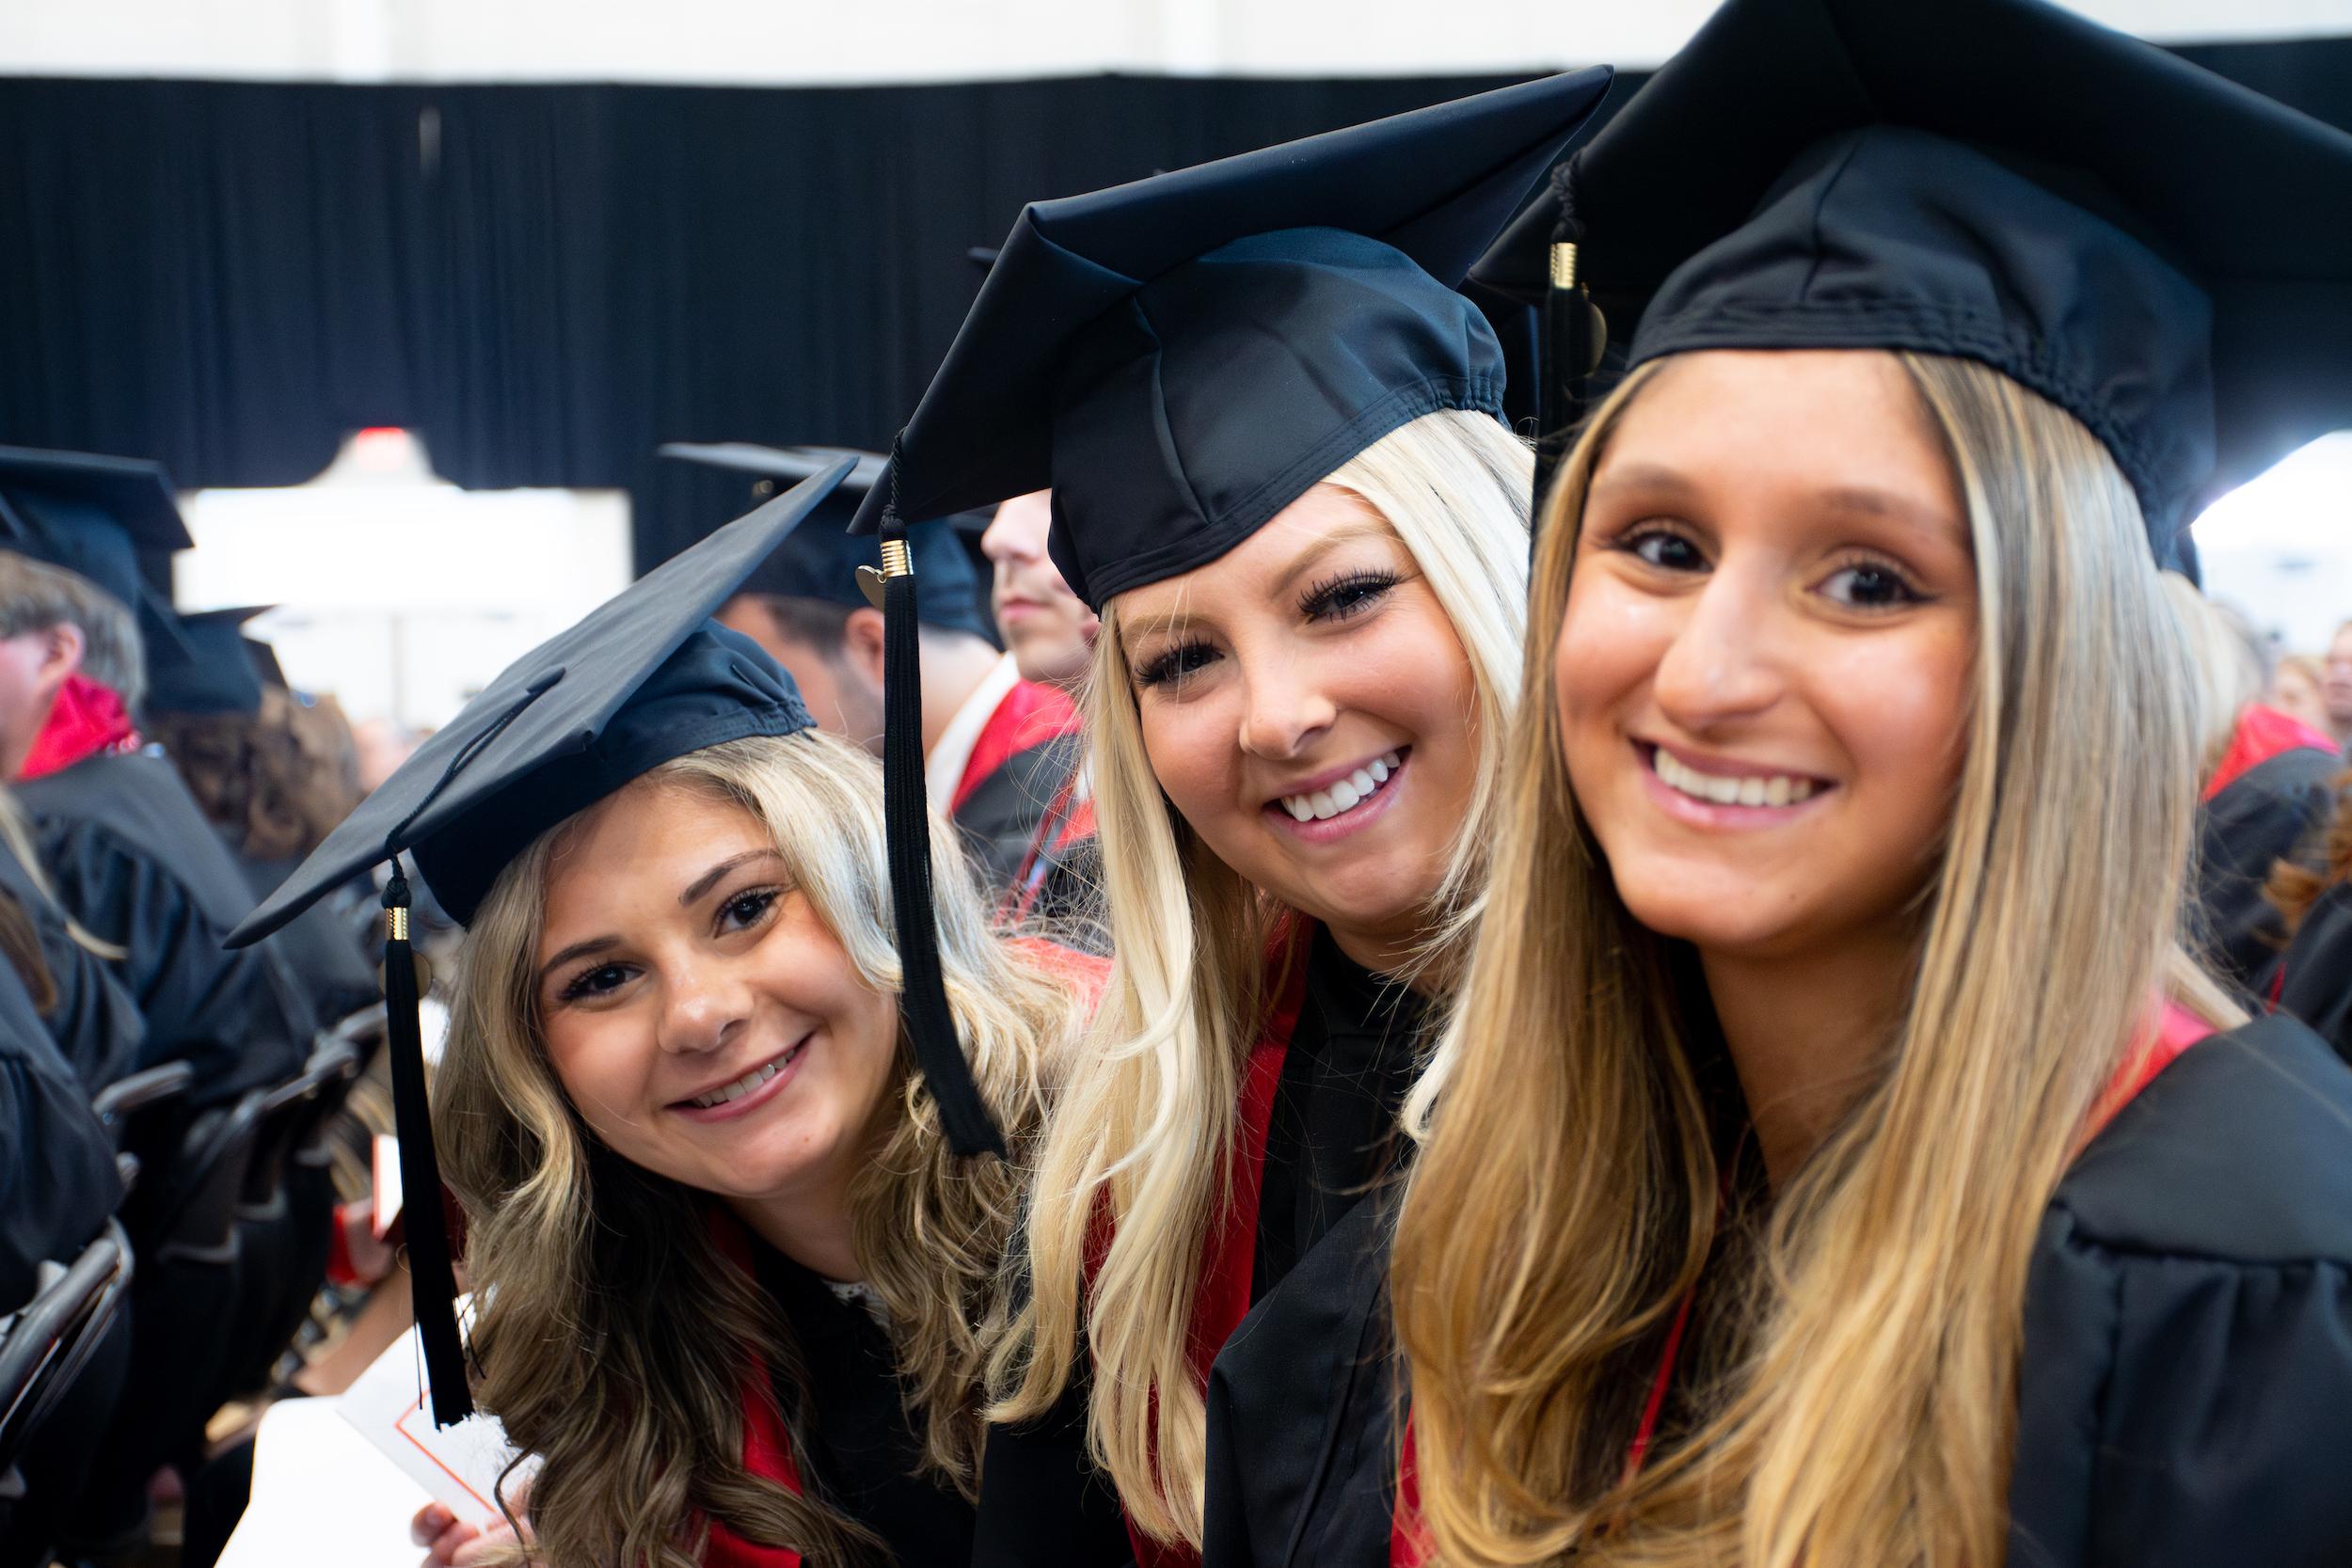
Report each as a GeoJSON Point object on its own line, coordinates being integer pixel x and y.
{"type": "Point", "coordinates": [694, 891]}
{"type": "Point", "coordinates": [1323, 543]}
{"type": "Point", "coordinates": [1654, 479]}
{"type": "Point", "coordinates": [709, 880]}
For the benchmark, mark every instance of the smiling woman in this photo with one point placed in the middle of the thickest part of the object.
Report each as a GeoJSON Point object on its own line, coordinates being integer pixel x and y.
{"type": "Point", "coordinates": [674, 1048]}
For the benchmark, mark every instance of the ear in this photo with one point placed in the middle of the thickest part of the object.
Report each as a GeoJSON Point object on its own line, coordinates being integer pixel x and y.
{"type": "Point", "coordinates": [862, 641]}
{"type": "Point", "coordinates": [61, 651]}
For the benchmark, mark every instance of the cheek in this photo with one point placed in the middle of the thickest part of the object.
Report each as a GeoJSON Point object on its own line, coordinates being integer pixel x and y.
{"type": "Point", "coordinates": [1610, 644]}
{"type": "Point", "coordinates": [1194, 748]}
{"type": "Point", "coordinates": [601, 1069]}
{"type": "Point", "coordinates": [1901, 712]}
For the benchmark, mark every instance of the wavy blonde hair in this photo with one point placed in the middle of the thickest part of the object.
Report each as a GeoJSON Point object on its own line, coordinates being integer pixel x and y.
{"type": "Point", "coordinates": [1862, 1400]}
{"type": "Point", "coordinates": [1143, 1132]}
{"type": "Point", "coordinates": [614, 1335]}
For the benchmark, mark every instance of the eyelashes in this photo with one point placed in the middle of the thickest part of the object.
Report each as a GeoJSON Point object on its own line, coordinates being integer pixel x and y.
{"type": "Point", "coordinates": [742, 911]}
{"type": "Point", "coordinates": [1339, 598]}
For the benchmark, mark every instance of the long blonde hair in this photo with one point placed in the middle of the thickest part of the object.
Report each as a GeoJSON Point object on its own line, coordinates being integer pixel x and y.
{"type": "Point", "coordinates": [1142, 1133]}
{"type": "Point", "coordinates": [1858, 1402]}
{"type": "Point", "coordinates": [613, 1337]}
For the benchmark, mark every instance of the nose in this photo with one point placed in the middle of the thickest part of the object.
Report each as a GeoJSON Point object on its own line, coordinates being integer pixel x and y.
{"type": "Point", "coordinates": [1723, 661]}
{"type": "Point", "coordinates": [1284, 708]}
{"type": "Point", "coordinates": [702, 1008]}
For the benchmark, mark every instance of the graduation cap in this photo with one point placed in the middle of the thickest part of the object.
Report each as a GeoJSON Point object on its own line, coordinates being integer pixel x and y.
{"type": "Point", "coordinates": [95, 517]}
{"type": "Point", "coordinates": [212, 671]}
{"type": "Point", "coordinates": [2163, 253]}
{"type": "Point", "coordinates": [819, 559]}
{"type": "Point", "coordinates": [266, 669]}
{"type": "Point", "coordinates": [643, 678]}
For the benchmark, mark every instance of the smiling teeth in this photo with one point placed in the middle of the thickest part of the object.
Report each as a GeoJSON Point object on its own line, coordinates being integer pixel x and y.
{"type": "Point", "coordinates": [1346, 794]}
{"type": "Point", "coordinates": [1775, 789]}
{"type": "Point", "coordinates": [742, 1086]}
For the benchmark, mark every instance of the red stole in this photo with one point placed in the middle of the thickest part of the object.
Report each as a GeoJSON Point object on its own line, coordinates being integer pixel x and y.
{"type": "Point", "coordinates": [767, 1443]}
{"type": "Point", "coordinates": [1031, 714]}
{"type": "Point", "coordinates": [85, 719]}
{"type": "Point", "coordinates": [2176, 1030]}
{"type": "Point", "coordinates": [2263, 733]}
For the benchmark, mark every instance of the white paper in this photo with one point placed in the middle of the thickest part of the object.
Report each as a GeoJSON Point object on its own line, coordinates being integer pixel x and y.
{"type": "Point", "coordinates": [386, 1207]}
{"type": "Point", "coordinates": [460, 1465]}
{"type": "Point", "coordinates": [321, 1495]}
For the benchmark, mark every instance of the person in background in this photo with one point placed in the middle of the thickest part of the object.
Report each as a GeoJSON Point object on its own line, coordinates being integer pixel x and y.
{"type": "Point", "coordinates": [2295, 690]}
{"type": "Point", "coordinates": [121, 841]}
{"type": "Point", "coordinates": [997, 747]}
{"type": "Point", "coordinates": [1845, 1160]}
{"type": "Point", "coordinates": [1050, 632]}
{"type": "Point", "coordinates": [2266, 791]}
{"type": "Point", "coordinates": [273, 775]}
{"type": "Point", "coordinates": [2335, 685]}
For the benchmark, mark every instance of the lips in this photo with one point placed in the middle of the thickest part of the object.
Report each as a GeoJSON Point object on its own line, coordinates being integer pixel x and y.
{"type": "Point", "coordinates": [1343, 794]}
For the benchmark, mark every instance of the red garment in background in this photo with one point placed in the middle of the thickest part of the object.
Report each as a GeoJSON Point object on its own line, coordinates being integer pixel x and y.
{"type": "Point", "coordinates": [2263, 733]}
{"type": "Point", "coordinates": [87, 719]}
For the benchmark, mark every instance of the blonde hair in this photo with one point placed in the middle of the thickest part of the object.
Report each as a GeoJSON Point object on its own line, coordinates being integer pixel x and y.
{"type": "Point", "coordinates": [614, 1335]}
{"type": "Point", "coordinates": [1142, 1134]}
{"type": "Point", "coordinates": [1854, 1401]}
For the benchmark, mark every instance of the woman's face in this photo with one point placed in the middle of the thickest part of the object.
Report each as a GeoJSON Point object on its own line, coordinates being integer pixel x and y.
{"type": "Point", "coordinates": [1763, 672]}
{"type": "Point", "coordinates": [703, 1019]}
{"type": "Point", "coordinates": [1307, 706]}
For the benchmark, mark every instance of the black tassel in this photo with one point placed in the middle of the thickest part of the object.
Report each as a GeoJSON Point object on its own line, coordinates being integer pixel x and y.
{"type": "Point", "coordinates": [923, 1005]}
{"type": "Point", "coordinates": [433, 1281]}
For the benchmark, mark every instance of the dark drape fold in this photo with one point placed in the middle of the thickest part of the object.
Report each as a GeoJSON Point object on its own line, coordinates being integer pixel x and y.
{"type": "Point", "coordinates": [549, 280]}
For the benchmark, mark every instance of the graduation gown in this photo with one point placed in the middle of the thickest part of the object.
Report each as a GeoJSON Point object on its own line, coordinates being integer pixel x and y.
{"type": "Point", "coordinates": [860, 1450]}
{"type": "Point", "coordinates": [2315, 980]}
{"type": "Point", "coordinates": [135, 860]}
{"type": "Point", "coordinates": [1288, 1284]}
{"type": "Point", "coordinates": [57, 1177]}
{"type": "Point", "coordinates": [2186, 1391]}
{"type": "Point", "coordinates": [2269, 797]}
{"type": "Point", "coordinates": [95, 1023]}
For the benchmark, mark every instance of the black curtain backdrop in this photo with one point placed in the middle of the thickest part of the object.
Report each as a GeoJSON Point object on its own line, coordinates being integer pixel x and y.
{"type": "Point", "coordinates": [547, 282]}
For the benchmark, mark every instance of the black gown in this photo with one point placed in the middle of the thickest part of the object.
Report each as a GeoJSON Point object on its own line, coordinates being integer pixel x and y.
{"type": "Point", "coordinates": [58, 1178]}
{"type": "Point", "coordinates": [2274, 810]}
{"type": "Point", "coordinates": [94, 1020]}
{"type": "Point", "coordinates": [1295, 1468]}
{"type": "Point", "coordinates": [135, 860]}
{"type": "Point", "coordinates": [2315, 979]}
{"type": "Point", "coordinates": [2187, 1385]}
{"type": "Point", "coordinates": [321, 943]}
{"type": "Point", "coordinates": [858, 1450]}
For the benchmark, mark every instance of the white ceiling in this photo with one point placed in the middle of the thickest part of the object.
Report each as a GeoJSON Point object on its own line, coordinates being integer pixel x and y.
{"type": "Point", "coordinates": [805, 41]}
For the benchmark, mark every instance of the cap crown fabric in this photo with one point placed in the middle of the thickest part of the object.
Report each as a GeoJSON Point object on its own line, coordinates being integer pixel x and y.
{"type": "Point", "coordinates": [1219, 392]}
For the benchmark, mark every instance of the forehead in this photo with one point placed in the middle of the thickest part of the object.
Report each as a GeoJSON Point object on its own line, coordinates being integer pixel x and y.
{"type": "Point", "coordinates": [1790, 417]}
{"type": "Point", "coordinates": [649, 829]}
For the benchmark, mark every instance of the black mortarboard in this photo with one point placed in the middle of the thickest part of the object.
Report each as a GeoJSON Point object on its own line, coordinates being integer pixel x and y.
{"type": "Point", "coordinates": [2163, 253]}
{"type": "Point", "coordinates": [95, 517]}
{"type": "Point", "coordinates": [646, 678]}
{"type": "Point", "coordinates": [211, 670]}
{"type": "Point", "coordinates": [820, 558]}
{"type": "Point", "coordinates": [1181, 357]}
{"type": "Point", "coordinates": [266, 669]}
